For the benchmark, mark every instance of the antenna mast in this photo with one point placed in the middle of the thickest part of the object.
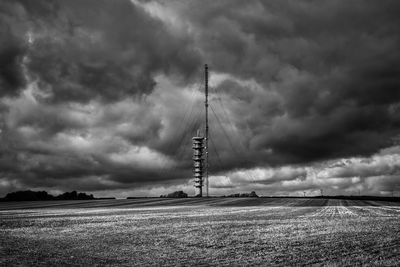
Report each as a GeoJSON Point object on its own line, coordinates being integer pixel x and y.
{"type": "Point", "coordinates": [206, 137]}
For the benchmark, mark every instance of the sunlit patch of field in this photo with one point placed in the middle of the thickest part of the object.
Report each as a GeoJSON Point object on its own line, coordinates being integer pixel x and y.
{"type": "Point", "coordinates": [209, 231]}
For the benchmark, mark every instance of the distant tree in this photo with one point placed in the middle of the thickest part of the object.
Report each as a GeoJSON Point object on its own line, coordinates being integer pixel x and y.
{"type": "Point", "coordinates": [177, 194]}
{"type": "Point", "coordinates": [74, 196]}
{"type": "Point", "coordinates": [28, 196]}
{"type": "Point", "coordinates": [252, 194]}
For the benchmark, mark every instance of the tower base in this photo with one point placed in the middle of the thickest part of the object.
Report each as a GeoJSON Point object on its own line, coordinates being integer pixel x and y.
{"type": "Point", "coordinates": [198, 192]}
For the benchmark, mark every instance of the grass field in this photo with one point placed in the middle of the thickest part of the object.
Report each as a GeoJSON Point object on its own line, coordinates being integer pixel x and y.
{"type": "Point", "coordinates": [213, 231]}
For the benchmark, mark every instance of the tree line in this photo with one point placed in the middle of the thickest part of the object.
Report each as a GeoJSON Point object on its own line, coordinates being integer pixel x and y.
{"type": "Point", "coordinates": [29, 195]}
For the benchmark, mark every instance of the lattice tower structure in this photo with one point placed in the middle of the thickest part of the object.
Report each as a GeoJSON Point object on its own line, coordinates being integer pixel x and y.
{"type": "Point", "coordinates": [198, 164]}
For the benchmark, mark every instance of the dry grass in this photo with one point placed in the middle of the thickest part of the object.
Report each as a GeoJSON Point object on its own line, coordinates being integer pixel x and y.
{"type": "Point", "coordinates": [200, 232]}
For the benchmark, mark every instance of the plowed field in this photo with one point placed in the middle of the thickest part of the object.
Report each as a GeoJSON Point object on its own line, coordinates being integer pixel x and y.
{"type": "Point", "coordinates": [188, 232]}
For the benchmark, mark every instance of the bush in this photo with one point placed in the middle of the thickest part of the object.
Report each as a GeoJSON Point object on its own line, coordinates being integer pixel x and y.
{"type": "Point", "coordinates": [74, 196]}
{"type": "Point", "coordinates": [176, 194]}
{"type": "Point", "coordinates": [252, 194]}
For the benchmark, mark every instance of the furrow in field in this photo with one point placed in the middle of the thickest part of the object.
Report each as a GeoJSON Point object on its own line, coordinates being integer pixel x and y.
{"type": "Point", "coordinates": [384, 205]}
{"type": "Point", "coordinates": [375, 209]}
{"type": "Point", "coordinates": [344, 210]}
{"type": "Point", "coordinates": [390, 210]}
{"type": "Point", "coordinates": [42, 204]}
{"type": "Point", "coordinates": [333, 209]}
{"type": "Point", "coordinates": [309, 202]}
{"type": "Point", "coordinates": [69, 204]}
{"type": "Point", "coordinates": [353, 248]}
{"type": "Point", "coordinates": [245, 202]}
{"type": "Point", "coordinates": [370, 211]}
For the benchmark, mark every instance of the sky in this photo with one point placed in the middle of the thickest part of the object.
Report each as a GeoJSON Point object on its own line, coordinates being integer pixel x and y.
{"type": "Point", "coordinates": [103, 96]}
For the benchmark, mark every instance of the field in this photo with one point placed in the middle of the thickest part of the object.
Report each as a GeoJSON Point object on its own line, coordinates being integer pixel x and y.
{"type": "Point", "coordinates": [213, 231]}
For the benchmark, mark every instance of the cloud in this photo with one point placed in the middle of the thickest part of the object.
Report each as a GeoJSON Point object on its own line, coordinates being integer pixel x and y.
{"type": "Point", "coordinates": [377, 174]}
{"type": "Point", "coordinates": [104, 94]}
{"type": "Point", "coordinates": [327, 66]}
{"type": "Point", "coordinates": [81, 50]}
{"type": "Point", "coordinates": [12, 47]}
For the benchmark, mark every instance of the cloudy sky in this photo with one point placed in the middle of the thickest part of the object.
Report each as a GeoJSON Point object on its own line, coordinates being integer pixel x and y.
{"type": "Point", "coordinates": [103, 96]}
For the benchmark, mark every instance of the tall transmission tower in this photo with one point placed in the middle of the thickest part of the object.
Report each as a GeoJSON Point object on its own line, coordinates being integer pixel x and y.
{"type": "Point", "coordinates": [200, 149]}
{"type": "Point", "coordinates": [206, 137]}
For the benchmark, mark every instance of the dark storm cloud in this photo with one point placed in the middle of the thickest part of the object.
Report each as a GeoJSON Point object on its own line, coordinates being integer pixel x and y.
{"type": "Point", "coordinates": [333, 65]}
{"type": "Point", "coordinates": [12, 48]}
{"type": "Point", "coordinates": [81, 50]}
{"type": "Point", "coordinates": [98, 93]}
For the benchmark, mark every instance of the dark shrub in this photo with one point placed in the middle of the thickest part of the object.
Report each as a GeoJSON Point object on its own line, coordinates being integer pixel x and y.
{"type": "Point", "coordinates": [28, 196]}
{"type": "Point", "coordinates": [178, 194]}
